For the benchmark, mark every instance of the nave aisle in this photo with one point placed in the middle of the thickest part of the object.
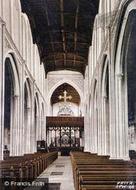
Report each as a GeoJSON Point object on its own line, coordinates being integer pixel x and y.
{"type": "Point", "coordinates": [60, 171]}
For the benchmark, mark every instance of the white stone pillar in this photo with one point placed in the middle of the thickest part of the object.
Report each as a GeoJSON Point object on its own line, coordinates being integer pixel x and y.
{"type": "Point", "coordinates": [2, 28]}
{"type": "Point", "coordinates": [48, 143]}
{"type": "Point", "coordinates": [43, 128]}
{"type": "Point", "coordinates": [27, 136]}
{"type": "Point", "coordinates": [33, 134]}
{"type": "Point", "coordinates": [112, 111]}
{"type": "Point", "coordinates": [38, 128]}
{"type": "Point", "coordinates": [99, 137]}
{"type": "Point", "coordinates": [18, 124]}
{"type": "Point", "coordinates": [33, 125]}
{"type": "Point", "coordinates": [105, 127]}
{"type": "Point", "coordinates": [96, 131]}
{"type": "Point", "coordinates": [122, 150]}
{"type": "Point", "coordinates": [14, 126]}
{"type": "Point", "coordinates": [119, 117]}
{"type": "Point", "coordinates": [100, 129]}
{"type": "Point", "coordinates": [95, 122]}
{"type": "Point", "coordinates": [21, 110]}
{"type": "Point", "coordinates": [86, 132]}
{"type": "Point", "coordinates": [50, 137]}
{"type": "Point", "coordinates": [93, 130]}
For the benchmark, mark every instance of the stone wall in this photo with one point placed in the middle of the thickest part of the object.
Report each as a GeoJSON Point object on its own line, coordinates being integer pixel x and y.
{"type": "Point", "coordinates": [107, 98]}
{"type": "Point", "coordinates": [16, 44]}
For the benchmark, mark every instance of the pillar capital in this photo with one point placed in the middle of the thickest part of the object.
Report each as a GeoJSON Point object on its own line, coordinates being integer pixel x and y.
{"type": "Point", "coordinates": [15, 96]}
{"type": "Point", "coordinates": [120, 75]}
{"type": "Point", "coordinates": [105, 97]}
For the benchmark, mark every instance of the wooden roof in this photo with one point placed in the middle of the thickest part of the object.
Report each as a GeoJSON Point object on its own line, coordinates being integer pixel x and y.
{"type": "Point", "coordinates": [62, 30]}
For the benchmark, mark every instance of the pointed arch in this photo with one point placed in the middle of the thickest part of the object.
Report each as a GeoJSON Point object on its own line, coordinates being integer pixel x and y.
{"type": "Point", "coordinates": [126, 40]}
{"type": "Point", "coordinates": [11, 105]}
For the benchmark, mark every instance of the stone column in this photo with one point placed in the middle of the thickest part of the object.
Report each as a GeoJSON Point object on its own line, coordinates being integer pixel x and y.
{"type": "Point", "coordinates": [95, 122]}
{"type": "Point", "coordinates": [82, 139]}
{"type": "Point", "coordinates": [102, 126]}
{"type": "Point", "coordinates": [21, 110]}
{"type": "Point", "coordinates": [33, 125]}
{"type": "Point", "coordinates": [119, 116]}
{"type": "Point", "coordinates": [112, 109]}
{"type": "Point", "coordinates": [38, 128]}
{"type": "Point", "coordinates": [50, 137]}
{"type": "Point", "coordinates": [91, 133]}
{"type": "Point", "coordinates": [92, 129]}
{"type": "Point", "coordinates": [14, 126]}
{"type": "Point", "coordinates": [96, 131]}
{"type": "Point", "coordinates": [27, 130]}
{"type": "Point", "coordinates": [48, 143]}
{"type": "Point", "coordinates": [2, 28]}
{"type": "Point", "coordinates": [33, 135]}
{"type": "Point", "coordinates": [121, 120]}
{"type": "Point", "coordinates": [43, 128]}
{"type": "Point", "coordinates": [86, 132]}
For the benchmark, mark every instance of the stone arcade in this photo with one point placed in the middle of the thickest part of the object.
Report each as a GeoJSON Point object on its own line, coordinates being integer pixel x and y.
{"type": "Point", "coordinates": [68, 83]}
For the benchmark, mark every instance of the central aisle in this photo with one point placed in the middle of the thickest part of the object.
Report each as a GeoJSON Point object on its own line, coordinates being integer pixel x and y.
{"type": "Point", "coordinates": [60, 172]}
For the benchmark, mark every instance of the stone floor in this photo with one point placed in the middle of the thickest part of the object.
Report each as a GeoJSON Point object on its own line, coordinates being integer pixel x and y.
{"type": "Point", "coordinates": [60, 172]}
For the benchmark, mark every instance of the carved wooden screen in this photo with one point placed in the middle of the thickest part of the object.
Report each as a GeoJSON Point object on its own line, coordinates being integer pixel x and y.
{"type": "Point", "coordinates": [64, 131]}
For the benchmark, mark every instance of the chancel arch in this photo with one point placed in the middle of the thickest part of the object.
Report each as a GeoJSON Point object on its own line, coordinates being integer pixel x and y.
{"type": "Point", "coordinates": [11, 106]}
{"type": "Point", "coordinates": [65, 100]}
{"type": "Point", "coordinates": [65, 125]}
{"type": "Point", "coordinates": [75, 86]}
{"type": "Point", "coordinates": [125, 82]}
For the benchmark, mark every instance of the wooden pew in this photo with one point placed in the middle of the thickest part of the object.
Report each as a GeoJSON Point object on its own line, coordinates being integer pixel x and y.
{"type": "Point", "coordinates": [99, 172]}
{"type": "Point", "coordinates": [26, 167]}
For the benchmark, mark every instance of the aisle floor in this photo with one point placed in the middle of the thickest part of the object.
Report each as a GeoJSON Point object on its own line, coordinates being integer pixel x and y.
{"type": "Point", "coordinates": [60, 172]}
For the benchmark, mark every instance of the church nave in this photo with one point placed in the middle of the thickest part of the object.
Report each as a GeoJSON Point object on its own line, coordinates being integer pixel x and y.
{"type": "Point", "coordinates": [68, 88]}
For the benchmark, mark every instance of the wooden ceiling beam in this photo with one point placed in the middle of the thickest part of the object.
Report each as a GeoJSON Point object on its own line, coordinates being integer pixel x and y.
{"type": "Point", "coordinates": [63, 32]}
{"type": "Point", "coordinates": [48, 21]}
{"type": "Point", "coordinates": [67, 60]}
{"type": "Point", "coordinates": [75, 34]}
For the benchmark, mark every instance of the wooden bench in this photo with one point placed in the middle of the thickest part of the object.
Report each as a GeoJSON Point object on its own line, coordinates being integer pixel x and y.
{"type": "Point", "coordinates": [99, 172]}
{"type": "Point", "coordinates": [26, 167]}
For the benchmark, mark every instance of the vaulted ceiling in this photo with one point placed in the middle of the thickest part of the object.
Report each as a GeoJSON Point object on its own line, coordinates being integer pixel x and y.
{"type": "Point", "coordinates": [62, 30]}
